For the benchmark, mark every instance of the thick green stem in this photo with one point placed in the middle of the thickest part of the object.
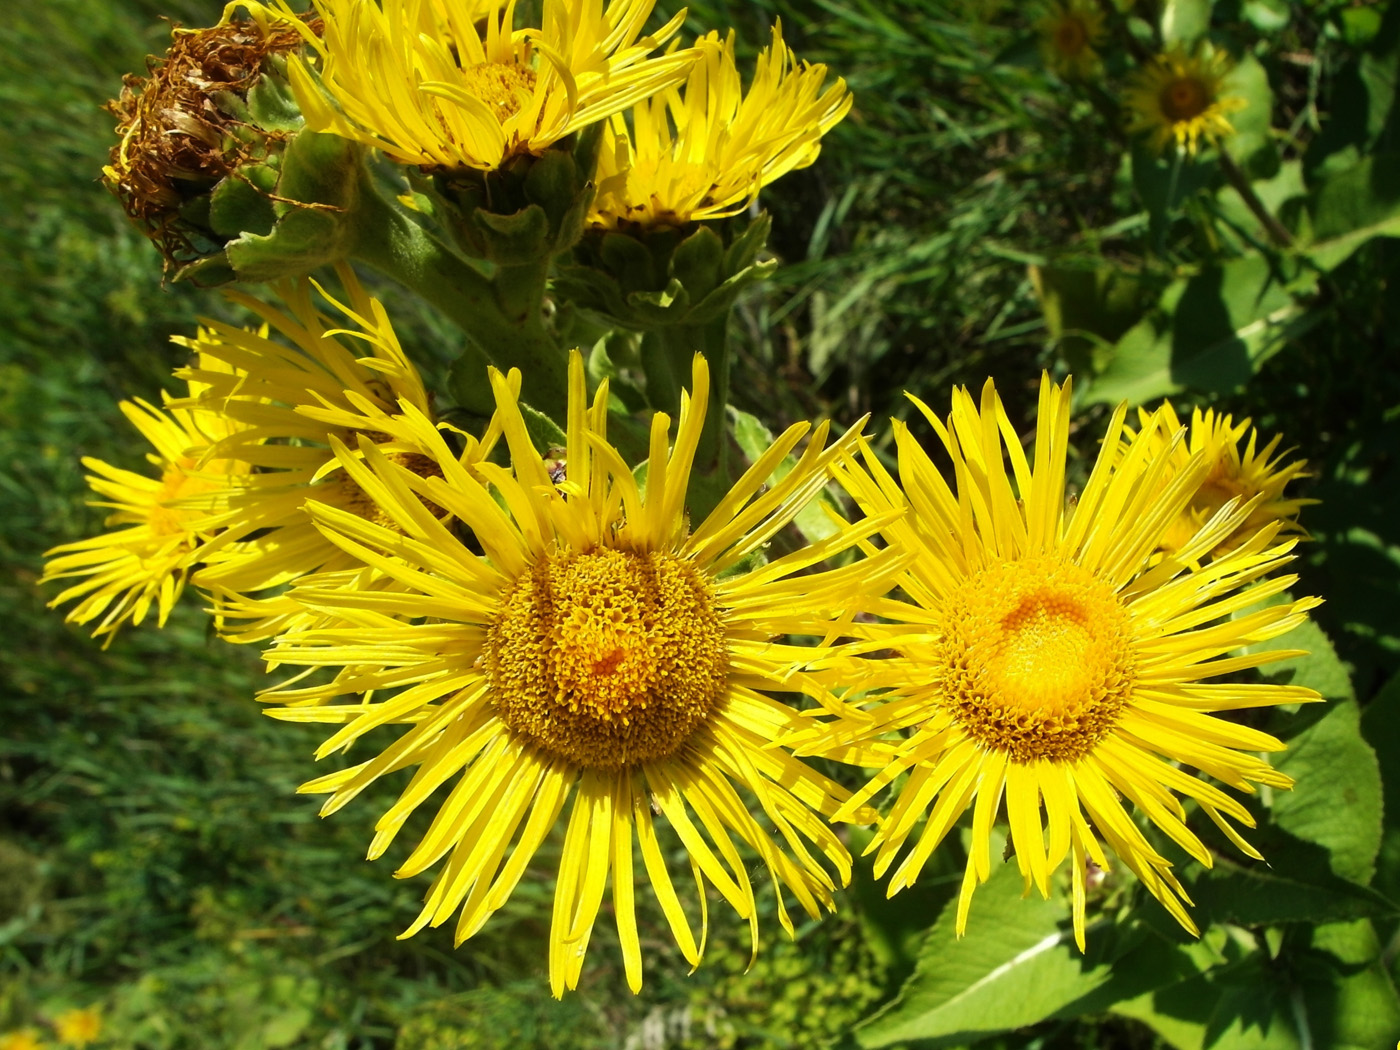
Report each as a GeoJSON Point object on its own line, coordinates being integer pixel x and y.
{"type": "Point", "coordinates": [502, 316]}
{"type": "Point", "coordinates": [1278, 233]}
{"type": "Point", "coordinates": [667, 357]}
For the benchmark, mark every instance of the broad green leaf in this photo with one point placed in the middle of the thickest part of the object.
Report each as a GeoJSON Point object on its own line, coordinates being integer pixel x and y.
{"type": "Point", "coordinates": [1380, 724]}
{"type": "Point", "coordinates": [1185, 21]}
{"type": "Point", "coordinates": [1293, 884]}
{"type": "Point", "coordinates": [1322, 669]}
{"type": "Point", "coordinates": [1210, 334]}
{"type": "Point", "coordinates": [1325, 990]}
{"type": "Point", "coordinates": [1337, 801]}
{"type": "Point", "coordinates": [1354, 206]}
{"type": "Point", "coordinates": [1363, 116]}
{"type": "Point", "coordinates": [1018, 965]}
{"type": "Point", "coordinates": [1252, 144]}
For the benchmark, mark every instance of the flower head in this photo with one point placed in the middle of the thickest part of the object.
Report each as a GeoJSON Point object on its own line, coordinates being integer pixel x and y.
{"type": "Point", "coordinates": [1253, 475]}
{"type": "Point", "coordinates": [1049, 657]}
{"type": "Point", "coordinates": [1179, 97]}
{"type": "Point", "coordinates": [328, 376]}
{"type": "Point", "coordinates": [704, 153]}
{"type": "Point", "coordinates": [21, 1039]}
{"type": "Point", "coordinates": [78, 1027]}
{"type": "Point", "coordinates": [165, 518]}
{"type": "Point", "coordinates": [596, 646]}
{"type": "Point", "coordinates": [452, 84]}
{"type": "Point", "coordinates": [1069, 33]}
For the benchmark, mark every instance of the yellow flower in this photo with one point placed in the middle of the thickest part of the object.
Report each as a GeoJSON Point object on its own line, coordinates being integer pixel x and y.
{"type": "Point", "coordinates": [1069, 32]}
{"type": "Point", "coordinates": [167, 519]}
{"type": "Point", "coordinates": [597, 647]}
{"type": "Point", "coordinates": [1177, 97]}
{"type": "Point", "coordinates": [21, 1039]}
{"type": "Point", "coordinates": [78, 1027]}
{"type": "Point", "coordinates": [1231, 473]}
{"type": "Point", "coordinates": [1049, 657]}
{"type": "Point", "coordinates": [705, 153]}
{"type": "Point", "coordinates": [452, 84]}
{"type": "Point", "coordinates": [338, 377]}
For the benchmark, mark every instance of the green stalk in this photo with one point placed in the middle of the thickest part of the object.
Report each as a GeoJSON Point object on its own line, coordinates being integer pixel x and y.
{"type": "Point", "coordinates": [1278, 233]}
{"type": "Point", "coordinates": [501, 316]}
{"type": "Point", "coordinates": [667, 355]}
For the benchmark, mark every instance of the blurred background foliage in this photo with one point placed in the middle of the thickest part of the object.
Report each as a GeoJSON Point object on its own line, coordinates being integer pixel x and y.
{"type": "Point", "coordinates": [976, 215]}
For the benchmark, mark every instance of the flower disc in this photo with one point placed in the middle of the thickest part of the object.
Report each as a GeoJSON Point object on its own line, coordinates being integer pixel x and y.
{"type": "Point", "coordinates": [609, 657]}
{"type": "Point", "coordinates": [1035, 658]}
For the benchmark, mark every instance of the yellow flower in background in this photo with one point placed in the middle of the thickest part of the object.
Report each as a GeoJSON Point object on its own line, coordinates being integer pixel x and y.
{"type": "Point", "coordinates": [599, 647]}
{"type": "Point", "coordinates": [453, 84]}
{"type": "Point", "coordinates": [21, 1039]}
{"type": "Point", "coordinates": [1069, 33]}
{"type": "Point", "coordinates": [705, 152]}
{"type": "Point", "coordinates": [78, 1027]}
{"type": "Point", "coordinates": [333, 376]}
{"type": "Point", "coordinates": [1050, 658]}
{"type": "Point", "coordinates": [1254, 475]}
{"type": "Point", "coordinates": [165, 518]}
{"type": "Point", "coordinates": [1179, 97]}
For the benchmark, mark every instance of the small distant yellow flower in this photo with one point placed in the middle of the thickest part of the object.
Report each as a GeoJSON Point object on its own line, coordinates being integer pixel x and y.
{"type": "Point", "coordinates": [1069, 33]}
{"type": "Point", "coordinates": [588, 643]}
{"type": "Point", "coordinates": [706, 152]}
{"type": "Point", "coordinates": [452, 84]}
{"type": "Point", "coordinates": [332, 377]}
{"type": "Point", "coordinates": [1178, 97]}
{"type": "Point", "coordinates": [78, 1027]}
{"type": "Point", "coordinates": [167, 518]}
{"type": "Point", "coordinates": [1049, 657]}
{"type": "Point", "coordinates": [1255, 476]}
{"type": "Point", "coordinates": [21, 1039]}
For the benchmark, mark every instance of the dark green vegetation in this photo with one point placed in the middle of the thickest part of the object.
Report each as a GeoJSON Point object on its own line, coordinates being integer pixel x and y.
{"type": "Point", "coordinates": [975, 216]}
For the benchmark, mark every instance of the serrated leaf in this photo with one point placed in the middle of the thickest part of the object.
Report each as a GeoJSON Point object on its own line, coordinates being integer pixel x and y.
{"type": "Point", "coordinates": [545, 434]}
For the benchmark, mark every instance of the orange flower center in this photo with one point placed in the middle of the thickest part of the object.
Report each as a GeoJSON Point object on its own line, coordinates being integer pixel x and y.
{"type": "Point", "coordinates": [1070, 37]}
{"type": "Point", "coordinates": [608, 658]}
{"type": "Point", "coordinates": [1184, 98]}
{"type": "Point", "coordinates": [1036, 658]}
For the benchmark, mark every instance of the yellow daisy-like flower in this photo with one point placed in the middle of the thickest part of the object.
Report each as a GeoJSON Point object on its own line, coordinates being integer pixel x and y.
{"type": "Point", "coordinates": [597, 647]}
{"type": "Point", "coordinates": [1254, 475]}
{"type": "Point", "coordinates": [1178, 97]}
{"type": "Point", "coordinates": [21, 1039]}
{"type": "Point", "coordinates": [1069, 33]}
{"type": "Point", "coordinates": [167, 518]}
{"type": "Point", "coordinates": [706, 152]}
{"type": "Point", "coordinates": [78, 1027]}
{"type": "Point", "coordinates": [285, 401]}
{"type": "Point", "coordinates": [452, 84]}
{"type": "Point", "coordinates": [1050, 657]}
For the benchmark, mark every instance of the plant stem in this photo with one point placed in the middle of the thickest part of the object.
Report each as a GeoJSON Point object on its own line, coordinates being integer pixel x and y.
{"type": "Point", "coordinates": [1277, 232]}
{"type": "Point", "coordinates": [502, 316]}
{"type": "Point", "coordinates": [667, 355]}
